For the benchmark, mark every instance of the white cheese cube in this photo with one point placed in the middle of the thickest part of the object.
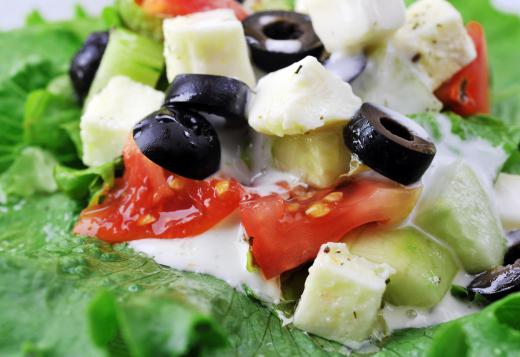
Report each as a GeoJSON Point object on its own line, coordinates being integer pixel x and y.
{"type": "Point", "coordinates": [300, 98]}
{"type": "Point", "coordinates": [346, 25]}
{"type": "Point", "coordinates": [435, 40]}
{"type": "Point", "coordinates": [507, 190]}
{"type": "Point", "coordinates": [390, 80]}
{"type": "Point", "coordinates": [342, 296]}
{"type": "Point", "coordinates": [110, 116]}
{"type": "Point", "coordinates": [211, 42]}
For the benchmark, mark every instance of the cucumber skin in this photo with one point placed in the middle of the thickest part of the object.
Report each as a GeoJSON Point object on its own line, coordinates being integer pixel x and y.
{"type": "Point", "coordinates": [424, 268]}
{"type": "Point", "coordinates": [459, 212]}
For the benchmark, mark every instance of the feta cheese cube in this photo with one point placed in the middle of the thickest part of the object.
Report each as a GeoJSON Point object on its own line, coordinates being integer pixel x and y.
{"type": "Point", "coordinates": [211, 42]}
{"type": "Point", "coordinates": [435, 40]}
{"type": "Point", "coordinates": [110, 116]}
{"type": "Point", "coordinates": [346, 25]}
{"type": "Point", "coordinates": [300, 98]}
{"type": "Point", "coordinates": [342, 296]}
{"type": "Point", "coordinates": [507, 189]}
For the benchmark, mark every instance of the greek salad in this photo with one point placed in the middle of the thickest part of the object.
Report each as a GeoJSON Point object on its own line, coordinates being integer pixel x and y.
{"type": "Point", "coordinates": [346, 166]}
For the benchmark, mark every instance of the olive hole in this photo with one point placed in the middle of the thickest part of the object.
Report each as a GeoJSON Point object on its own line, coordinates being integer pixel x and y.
{"type": "Point", "coordinates": [282, 30]}
{"type": "Point", "coordinates": [396, 128]}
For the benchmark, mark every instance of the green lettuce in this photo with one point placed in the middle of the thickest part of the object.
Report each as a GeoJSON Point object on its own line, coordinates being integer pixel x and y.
{"type": "Point", "coordinates": [30, 173]}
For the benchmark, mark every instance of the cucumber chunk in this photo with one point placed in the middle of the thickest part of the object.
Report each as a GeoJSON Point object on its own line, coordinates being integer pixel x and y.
{"type": "Point", "coordinates": [458, 211]}
{"type": "Point", "coordinates": [137, 20]}
{"type": "Point", "coordinates": [342, 296]}
{"type": "Point", "coordinates": [424, 268]}
{"type": "Point", "coordinates": [128, 54]}
{"type": "Point", "coordinates": [319, 158]}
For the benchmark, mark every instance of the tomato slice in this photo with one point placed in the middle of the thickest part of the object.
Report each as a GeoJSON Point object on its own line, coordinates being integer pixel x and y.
{"type": "Point", "coordinates": [185, 7]}
{"type": "Point", "coordinates": [467, 92]}
{"type": "Point", "coordinates": [287, 233]}
{"type": "Point", "coordinates": [150, 202]}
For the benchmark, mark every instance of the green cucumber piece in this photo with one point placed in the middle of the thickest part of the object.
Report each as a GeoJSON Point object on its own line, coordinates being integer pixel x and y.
{"type": "Point", "coordinates": [130, 55]}
{"type": "Point", "coordinates": [319, 158]}
{"type": "Point", "coordinates": [458, 211]}
{"type": "Point", "coordinates": [424, 268]}
{"type": "Point", "coordinates": [137, 20]}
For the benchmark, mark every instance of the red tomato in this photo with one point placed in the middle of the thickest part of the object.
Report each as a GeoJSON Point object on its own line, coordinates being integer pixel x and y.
{"type": "Point", "coordinates": [467, 92]}
{"type": "Point", "coordinates": [150, 202]}
{"type": "Point", "coordinates": [287, 233]}
{"type": "Point", "coordinates": [185, 7]}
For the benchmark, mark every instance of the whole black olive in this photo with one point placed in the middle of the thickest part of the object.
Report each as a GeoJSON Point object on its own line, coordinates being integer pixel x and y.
{"type": "Point", "coordinates": [347, 68]}
{"type": "Point", "coordinates": [217, 95]}
{"type": "Point", "coordinates": [389, 143]}
{"type": "Point", "coordinates": [181, 141]}
{"type": "Point", "coordinates": [513, 252]}
{"type": "Point", "coordinates": [278, 39]}
{"type": "Point", "coordinates": [497, 283]}
{"type": "Point", "coordinates": [86, 62]}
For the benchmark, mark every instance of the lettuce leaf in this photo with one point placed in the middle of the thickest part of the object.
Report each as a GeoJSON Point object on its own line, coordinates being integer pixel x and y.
{"type": "Point", "coordinates": [31, 172]}
{"type": "Point", "coordinates": [46, 117]}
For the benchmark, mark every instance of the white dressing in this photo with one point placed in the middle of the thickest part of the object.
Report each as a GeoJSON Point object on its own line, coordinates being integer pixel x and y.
{"type": "Point", "coordinates": [220, 252]}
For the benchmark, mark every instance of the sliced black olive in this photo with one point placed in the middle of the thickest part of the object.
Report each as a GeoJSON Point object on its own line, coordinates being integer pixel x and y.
{"type": "Point", "coordinates": [86, 63]}
{"type": "Point", "coordinates": [223, 96]}
{"type": "Point", "coordinates": [382, 142]}
{"type": "Point", "coordinates": [513, 252]}
{"type": "Point", "coordinates": [347, 68]}
{"type": "Point", "coordinates": [497, 283]}
{"type": "Point", "coordinates": [181, 141]}
{"type": "Point", "coordinates": [279, 38]}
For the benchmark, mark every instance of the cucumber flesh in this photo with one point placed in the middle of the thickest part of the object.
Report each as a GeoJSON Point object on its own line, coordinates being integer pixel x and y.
{"type": "Point", "coordinates": [130, 55]}
{"type": "Point", "coordinates": [319, 158]}
{"type": "Point", "coordinates": [424, 268]}
{"type": "Point", "coordinates": [458, 211]}
{"type": "Point", "coordinates": [137, 20]}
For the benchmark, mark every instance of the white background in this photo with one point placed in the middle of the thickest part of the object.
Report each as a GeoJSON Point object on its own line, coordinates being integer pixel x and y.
{"type": "Point", "coordinates": [13, 12]}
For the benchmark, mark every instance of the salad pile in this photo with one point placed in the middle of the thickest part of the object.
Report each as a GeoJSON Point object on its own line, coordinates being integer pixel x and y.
{"type": "Point", "coordinates": [267, 177]}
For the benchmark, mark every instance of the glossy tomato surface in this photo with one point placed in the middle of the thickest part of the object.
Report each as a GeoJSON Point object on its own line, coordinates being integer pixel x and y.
{"type": "Point", "coordinates": [467, 92]}
{"type": "Point", "coordinates": [186, 7]}
{"type": "Point", "coordinates": [150, 202]}
{"type": "Point", "coordinates": [286, 233]}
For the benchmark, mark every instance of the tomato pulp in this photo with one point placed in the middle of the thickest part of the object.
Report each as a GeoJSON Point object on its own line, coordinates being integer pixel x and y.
{"type": "Point", "coordinates": [186, 7]}
{"type": "Point", "coordinates": [150, 202]}
{"type": "Point", "coordinates": [467, 92]}
{"type": "Point", "coordinates": [287, 233]}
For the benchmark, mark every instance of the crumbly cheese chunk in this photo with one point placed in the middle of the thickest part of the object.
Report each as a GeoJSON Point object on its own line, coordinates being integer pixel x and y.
{"type": "Point", "coordinates": [435, 40]}
{"type": "Point", "coordinates": [211, 42]}
{"type": "Point", "coordinates": [300, 98]}
{"type": "Point", "coordinates": [110, 116]}
{"type": "Point", "coordinates": [342, 296]}
{"type": "Point", "coordinates": [507, 189]}
{"type": "Point", "coordinates": [346, 25]}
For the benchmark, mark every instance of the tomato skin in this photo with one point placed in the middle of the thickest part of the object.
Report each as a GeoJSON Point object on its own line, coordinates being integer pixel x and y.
{"type": "Point", "coordinates": [150, 202]}
{"type": "Point", "coordinates": [186, 7]}
{"type": "Point", "coordinates": [467, 92]}
{"type": "Point", "coordinates": [287, 233]}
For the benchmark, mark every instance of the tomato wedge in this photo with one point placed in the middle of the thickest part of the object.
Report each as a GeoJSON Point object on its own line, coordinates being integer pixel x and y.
{"type": "Point", "coordinates": [467, 92]}
{"type": "Point", "coordinates": [186, 7]}
{"type": "Point", "coordinates": [150, 202]}
{"type": "Point", "coordinates": [287, 233]}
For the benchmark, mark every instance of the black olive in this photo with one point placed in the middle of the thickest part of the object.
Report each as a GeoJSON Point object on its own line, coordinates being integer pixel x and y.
{"type": "Point", "coordinates": [86, 62]}
{"type": "Point", "coordinates": [279, 38]}
{"type": "Point", "coordinates": [181, 141]}
{"type": "Point", "coordinates": [380, 140]}
{"type": "Point", "coordinates": [223, 96]}
{"type": "Point", "coordinates": [347, 68]}
{"type": "Point", "coordinates": [513, 252]}
{"type": "Point", "coordinates": [497, 283]}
